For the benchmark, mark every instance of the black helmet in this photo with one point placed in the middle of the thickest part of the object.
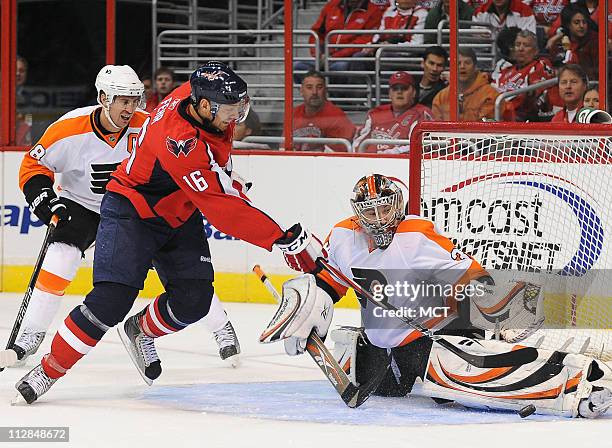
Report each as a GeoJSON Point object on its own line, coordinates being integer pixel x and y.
{"type": "Point", "coordinates": [215, 81]}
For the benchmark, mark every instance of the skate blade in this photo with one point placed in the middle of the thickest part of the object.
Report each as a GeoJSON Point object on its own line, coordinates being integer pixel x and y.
{"type": "Point", "coordinates": [18, 400]}
{"type": "Point", "coordinates": [233, 361]}
{"type": "Point", "coordinates": [125, 340]}
{"type": "Point", "coordinates": [8, 358]}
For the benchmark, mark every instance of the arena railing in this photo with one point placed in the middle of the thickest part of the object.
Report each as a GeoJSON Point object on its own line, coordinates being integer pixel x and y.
{"type": "Point", "coordinates": [511, 94]}
{"type": "Point", "coordinates": [316, 140]}
{"type": "Point", "coordinates": [384, 141]}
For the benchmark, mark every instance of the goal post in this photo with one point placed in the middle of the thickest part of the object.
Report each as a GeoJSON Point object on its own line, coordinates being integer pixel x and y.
{"type": "Point", "coordinates": [531, 199]}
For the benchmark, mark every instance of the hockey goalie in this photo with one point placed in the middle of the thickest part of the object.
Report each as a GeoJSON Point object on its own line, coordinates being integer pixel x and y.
{"type": "Point", "coordinates": [405, 260]}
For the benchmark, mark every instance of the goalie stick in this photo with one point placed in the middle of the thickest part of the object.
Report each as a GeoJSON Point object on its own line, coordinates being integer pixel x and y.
{"type": "Point", "coordinates": [28, 295]}
{"type": "Point", "coordinates": [513, 358]}
{"type": "Point", "coordinates": [354, 396]}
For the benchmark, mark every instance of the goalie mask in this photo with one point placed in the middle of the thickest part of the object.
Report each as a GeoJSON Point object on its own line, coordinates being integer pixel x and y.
{"type": "Point", "coordinates": [224, 89]}
{"type": "Point", "coordinates": [118, 80]}
{"type": "Point", "coordinates": [378, 204]}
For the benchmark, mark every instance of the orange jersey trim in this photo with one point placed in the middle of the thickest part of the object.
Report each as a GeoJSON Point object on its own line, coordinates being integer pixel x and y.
{"type": "Point", "coordinates": [327, 278]}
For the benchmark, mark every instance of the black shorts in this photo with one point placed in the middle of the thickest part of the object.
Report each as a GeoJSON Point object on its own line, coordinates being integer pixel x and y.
{"type": "Point", "coordinates": [127, 245]}
{"type": "Point", "coordinates": [81, 230]}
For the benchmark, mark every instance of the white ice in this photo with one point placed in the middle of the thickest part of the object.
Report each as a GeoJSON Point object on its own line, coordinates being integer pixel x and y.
{"type": "Point", "coordinates": [272, 400]}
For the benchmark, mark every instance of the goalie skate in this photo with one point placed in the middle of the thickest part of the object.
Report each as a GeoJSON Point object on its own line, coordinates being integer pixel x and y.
{"type": "Point", "coordinates": [141, 348]}
{"type": "Point", "coordinates": [34, 384]}
{"type": "Point", "coordinates": [229, 347]}
{"type": "Point", "coordinates": [598, 402]}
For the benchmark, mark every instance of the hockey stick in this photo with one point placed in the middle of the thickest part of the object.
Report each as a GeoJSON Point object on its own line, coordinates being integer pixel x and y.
{"type": "Point", "coordinates": [513, 358]}
{"type": "Point", "coordinates": [28, 294]}
{"type": "Point", "coordinates": [352, 395]}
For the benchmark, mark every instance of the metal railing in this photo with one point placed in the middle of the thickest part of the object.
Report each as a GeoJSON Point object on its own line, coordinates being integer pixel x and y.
{"type": "Point", "coordinates": [316, 140]}
{"type": "Point", "coordinates": [512, 93]}
{"type": "Point", "coordinates": [384, 141]}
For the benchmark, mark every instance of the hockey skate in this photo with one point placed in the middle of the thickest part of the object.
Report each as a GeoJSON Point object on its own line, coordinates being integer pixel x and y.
{"type": "Point", "coordinates": [597, 403]}
{"type": "Point", "coordinates": [141, 348]}
{"type": "Point", "coordinates": [27, 344]}
{"type": "Point", "coordinates": [229, 347]}
{"type": "Point", "coordinates": [34, 384]}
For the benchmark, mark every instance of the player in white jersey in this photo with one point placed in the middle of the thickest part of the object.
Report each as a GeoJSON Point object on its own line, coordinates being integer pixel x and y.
{"type": "Point", "coordinates": [84, 147]}
{"type": "Point", "coordinates": [392, 256]}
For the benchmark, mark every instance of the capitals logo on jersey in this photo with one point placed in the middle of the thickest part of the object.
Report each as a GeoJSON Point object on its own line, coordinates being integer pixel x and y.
{"type": "Point", "coordinates": [182, 146]}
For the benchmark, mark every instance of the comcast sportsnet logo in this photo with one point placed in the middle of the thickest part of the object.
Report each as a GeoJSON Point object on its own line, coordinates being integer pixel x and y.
{"type": "Point", "coordinates": [522, 220]}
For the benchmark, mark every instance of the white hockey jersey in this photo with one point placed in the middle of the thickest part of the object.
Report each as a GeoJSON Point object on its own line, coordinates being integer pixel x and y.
{"type": "Point", "coordinates": [83, 154]}
{"type": "Point", "coordinates": [417, 259]}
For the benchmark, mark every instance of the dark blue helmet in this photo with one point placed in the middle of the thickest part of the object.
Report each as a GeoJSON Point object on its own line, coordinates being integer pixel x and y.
{"type": "Point", "coordinates": [215, 81]}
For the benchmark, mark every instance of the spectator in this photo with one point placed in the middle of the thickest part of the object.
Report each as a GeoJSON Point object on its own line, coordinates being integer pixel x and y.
{"type": "Point", "coordinates": [250, 126]}
{"type": "Point", "coordinates": [318, 117]}
{"type": "Point", "coordinates": [576, 40]}
{"type": "Point", "coordinates": [505, 48]}
{"type": "Point", "coordinates": [476, 95]}
{"type": "Point", "coordinates": [395, 120]}
{"type": "Point", "coordinates": [164, 84]}
{"type": "Point", "coordinates": [573, 84]}
{"type": "Point", "coordinates": [428, 86]}
{"type": "Point", "coordinates": [401, 15]}
{"type": "Point", "coordinates": [148, 85]}
{"type": "Point", "coordinates": [506, 13]}
{"type": "Point", "coordinates": [439, 13]}
{"type": "Point", "coordinates": [546, 12]}
{"type": "Point", "coordinates": [23, 119]}
{"type": "Point", "coordinates": [526, 71]}
{"type": "Point", "coordinates": [592, 7]}
{"type": "Point", "coordinates": [591, 98]}
{"type": "Point", "coordinates": [341, 15]}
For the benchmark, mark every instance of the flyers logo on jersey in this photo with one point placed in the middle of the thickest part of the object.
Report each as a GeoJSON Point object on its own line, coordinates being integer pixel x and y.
{"type": "Point", "coordinates": [182, 146]}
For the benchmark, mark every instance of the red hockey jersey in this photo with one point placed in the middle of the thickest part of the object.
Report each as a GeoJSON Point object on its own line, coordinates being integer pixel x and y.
{"type": "Point", "coordinates": [546, 11]}
{"type": "Point", "coordinates": [512, 78]}
{"type": "Point", "coordinates": [382, 123]}
{"type": "Point", "coordinates": [397, 19]}
{"type": "Point", "coordinates": [179, 165]}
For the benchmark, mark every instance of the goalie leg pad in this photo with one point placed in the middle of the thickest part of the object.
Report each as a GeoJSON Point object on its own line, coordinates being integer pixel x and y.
{"type": "Point", "coordinates": [346, 340]}
{"type": "Point", "coordinates": [554, 383]}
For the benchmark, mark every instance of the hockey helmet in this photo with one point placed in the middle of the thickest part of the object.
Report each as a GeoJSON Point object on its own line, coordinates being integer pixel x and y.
{"type": "Point", "coordinates": [220, 85]}
{"type": "Point", "coordinates": [378, 204]}
{"type": "Point", "coordinates": [119, 80]}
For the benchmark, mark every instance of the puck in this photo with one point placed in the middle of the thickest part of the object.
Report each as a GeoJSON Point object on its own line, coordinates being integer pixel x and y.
{"type": "Point", "coordinates": [527, 411]}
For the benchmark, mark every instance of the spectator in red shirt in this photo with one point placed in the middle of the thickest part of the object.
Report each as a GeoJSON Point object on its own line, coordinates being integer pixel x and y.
{"type": "Point", "coordinates": [573, 84]}
{"type": "Point", "coordinates": [505, 14]}
{"type": "Point", "coordinates": [341, 15]}
{"type": "Point", "coordinates": [318, 117]}
{"type": "Point", "coordinates": [164, 84]}
{"type": "Point", "coordinates": [577, 40]}
{"type": "Point", "coordinates": [527, 70]}
{"type": "Point", "coordinates": [395, 120]}
{"type": "Point", "coordinates": [401, 15]}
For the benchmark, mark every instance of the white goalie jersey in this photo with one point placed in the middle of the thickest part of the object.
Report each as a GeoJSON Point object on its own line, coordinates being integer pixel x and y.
{"type": "Point", "coordinates": [83, 154]}
{"type": "Point", "coordinates": [418, 273]}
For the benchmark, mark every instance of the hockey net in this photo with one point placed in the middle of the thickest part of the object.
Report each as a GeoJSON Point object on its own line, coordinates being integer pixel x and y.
{"type": "Point", "coordinates": [531, 200]}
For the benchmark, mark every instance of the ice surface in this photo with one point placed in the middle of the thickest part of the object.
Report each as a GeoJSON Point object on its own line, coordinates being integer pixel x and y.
{"type": "Point", "coordinates": [270, 401]}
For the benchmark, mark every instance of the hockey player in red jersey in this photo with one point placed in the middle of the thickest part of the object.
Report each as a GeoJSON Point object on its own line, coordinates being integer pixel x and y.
{"type": "Point", "coordinates": [386, 253]}
{"type": "Point", "coordinates": [181, 165]}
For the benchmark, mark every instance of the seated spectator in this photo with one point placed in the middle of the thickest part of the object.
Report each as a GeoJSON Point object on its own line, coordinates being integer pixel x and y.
{"type": "Point", "coordinates": [591, 98]}
{"type": "Point", "coordinates": [505, 48]}
{"type": "Point", "coordinates": [506, 13]}
{"type": "Point", "coordinates": [576, 40]}
{"type": "Point", "coordinates": [592, 7]}
{"type": "Point", "coordinates": [439, 13]}
{"type": "Point", "coordinates": [164, 84]}
{"type": "Point", "coordinates": [341, 15]}
{"type": "Point", "coordinates": [428, 85]}
{"type": "Point", "coordinates": [476, 95]}
{"type": "Point", "coordinates": [148, 85]}
{"type": "Point", "coordinates": [23, 119]}
{"type": "Point", "coordinates": [318, 117]}
{"type": "Point", "coordinates": [573, 84]}
{"type": "Point", "coordinates": [526, 71]}
{"type": "Point", "coordinates": [401, 15]}
{"type": "Point", "coordinates": [395, 120]}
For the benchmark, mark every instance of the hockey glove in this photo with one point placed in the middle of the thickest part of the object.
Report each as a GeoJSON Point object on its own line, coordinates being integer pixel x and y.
{"type": "Point", "coordinates": [301, 249]}
{"type": "Point", "coordinates": [43, 201]}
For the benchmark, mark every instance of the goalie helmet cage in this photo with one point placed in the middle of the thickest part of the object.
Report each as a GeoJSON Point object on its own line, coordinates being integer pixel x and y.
{"type": "Point", "coordinates": [533, 200]}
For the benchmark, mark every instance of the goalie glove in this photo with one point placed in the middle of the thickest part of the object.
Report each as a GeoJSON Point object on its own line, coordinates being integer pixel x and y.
{"type": "Point", "coordinates": [304, 308]}
{"type": "Point", "coordinates": [514, 308]}
{"type": "Point", "coordinates": [301, 249]}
